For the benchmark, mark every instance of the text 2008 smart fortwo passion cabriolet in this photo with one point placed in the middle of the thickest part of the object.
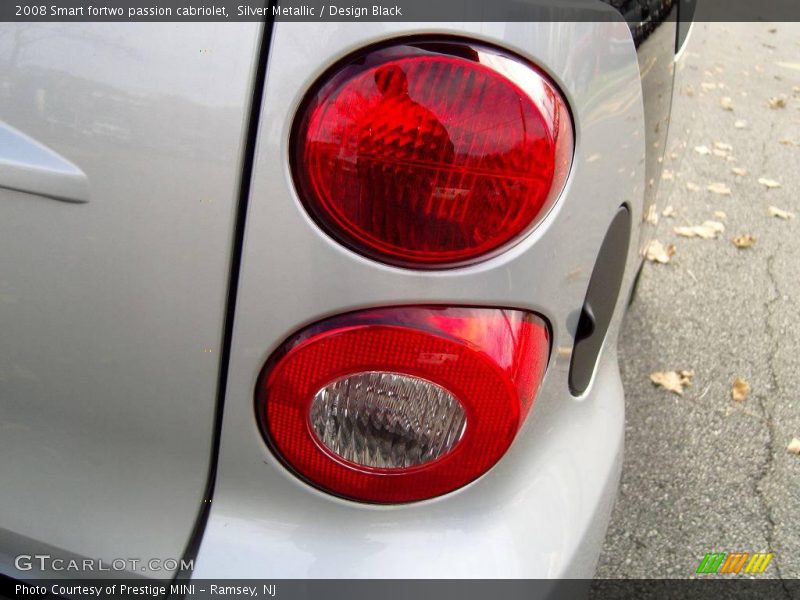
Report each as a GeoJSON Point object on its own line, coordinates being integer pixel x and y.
{"type": "Point", "coordinates": [320, 299]}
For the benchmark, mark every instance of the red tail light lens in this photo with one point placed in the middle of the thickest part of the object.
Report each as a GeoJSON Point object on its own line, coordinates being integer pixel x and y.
{"type": "Point", "coordinates": [431, 154]}
{"type": "Point", "coordinates": [402, 404]}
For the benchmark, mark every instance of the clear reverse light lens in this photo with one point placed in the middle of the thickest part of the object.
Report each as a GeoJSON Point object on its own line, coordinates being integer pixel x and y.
{"type": "Point", "coordinates": [387, 420]}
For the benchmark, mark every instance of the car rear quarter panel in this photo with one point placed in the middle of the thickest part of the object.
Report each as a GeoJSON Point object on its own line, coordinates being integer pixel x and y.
{"type": "Point", "coordinates": [542, 510]}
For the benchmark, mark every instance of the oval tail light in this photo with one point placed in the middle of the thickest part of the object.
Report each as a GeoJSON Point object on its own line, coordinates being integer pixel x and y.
{"type": "Point", "coordinates": [401, 404]}
{"type": "Point", "coordinates": [431, 154]}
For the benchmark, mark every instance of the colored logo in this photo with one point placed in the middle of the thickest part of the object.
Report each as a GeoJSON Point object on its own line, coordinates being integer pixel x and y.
{"type": "Point", "coordinates": [735, 562]}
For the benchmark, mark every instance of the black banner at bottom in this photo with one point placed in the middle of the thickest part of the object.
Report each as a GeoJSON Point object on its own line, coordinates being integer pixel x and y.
{"type": "Point", "coordinates": [378, 589]}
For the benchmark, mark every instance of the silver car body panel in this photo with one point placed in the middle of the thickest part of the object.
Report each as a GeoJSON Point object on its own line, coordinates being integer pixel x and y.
{"type": "Point", "coordinates": [543, 509]}
{"type": "Point", "coordinates": [112, 311]}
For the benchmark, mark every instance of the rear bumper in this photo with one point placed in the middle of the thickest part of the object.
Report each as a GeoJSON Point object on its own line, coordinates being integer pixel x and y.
{"type": "Point", "coordinates": [542, 512]}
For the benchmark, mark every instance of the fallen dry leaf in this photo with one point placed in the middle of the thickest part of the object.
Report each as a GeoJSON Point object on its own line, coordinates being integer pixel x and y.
{"type": "Point", "coordinates": [740, 124]}
{"type": "Point", "coordinates": [719, 188]}
{"type": "Point", "coordinates": [708, 230]}
{"type": "Point", "coordinates": [739, 171]}
{"type": "Point", "coordinates": [668, 212]}
{"type": "Point", "coordinates": [707, 85]}
{"type": "Point", "coordinates": [777, 102]}
{"type": "Point", "coordinates": [794, 446]}
{"type": "Point", "coordinates": [702, 150]}
{"type": "Point", "coordinates": [774, 211]}
{"type": "Point", "coordinates": [787, 142]}
{"type": "Point", "coordinates": [726, 102]}
{"type": "Point", "coordinates": [674, 381]}
{"type": "Point", "coordinates": [720, 153]}
{"type": "Point", "coordinates": [740, 389]}
{"type": "Point", "coordinates": [652, 215]}
{"type": "Point", "coordinates": [692, 187]}
{"type": "Point", "coordinates": [789, 65]}
{"type": "Point", "coordinates": [723, 146]}
{"type": "Point", "coordinates": [720, 214]}
{"type": "Point", "coordinates": [658, 253]}
{"type": "Point", "coordinates": [744, 241]}
{"type": "Point", "coordinates": [770, 183]}
{"type": "Point", "coordinates": [667, 175]}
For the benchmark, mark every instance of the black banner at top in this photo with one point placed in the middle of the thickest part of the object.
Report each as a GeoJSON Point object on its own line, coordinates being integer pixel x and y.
{"type": "Point", "coordinates": [633, 11]}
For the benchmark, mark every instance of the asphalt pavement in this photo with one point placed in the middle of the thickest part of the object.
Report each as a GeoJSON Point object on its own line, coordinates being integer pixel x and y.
{"type": "Point", "coordinates": [704, 472]}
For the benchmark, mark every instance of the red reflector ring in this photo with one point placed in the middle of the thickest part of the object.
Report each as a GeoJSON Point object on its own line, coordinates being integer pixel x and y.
{"type": "Point", "coordinates": [431, 154]}
{"type": "Point", "coordinates": [491, 361]}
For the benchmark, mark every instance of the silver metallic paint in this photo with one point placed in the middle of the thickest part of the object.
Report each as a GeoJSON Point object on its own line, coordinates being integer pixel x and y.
{"type": "Point", "coordinates": [657, 71]}
{"type": "Point", "coordinates": [542, 510]}
{"type": "Point", "coordinates": [111, 312]}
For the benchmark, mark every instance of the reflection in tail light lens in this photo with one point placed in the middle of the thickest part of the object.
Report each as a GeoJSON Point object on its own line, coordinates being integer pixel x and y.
{"type": "Point", "coordinates": [431, 154]}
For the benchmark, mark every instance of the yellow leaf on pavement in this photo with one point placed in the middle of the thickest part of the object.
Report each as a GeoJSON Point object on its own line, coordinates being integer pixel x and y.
{"type": "Point", "coordinates": [719, 188]}
{"type": "Point", "coordinates": [740, 390]}
{"type": "Point", "coordinates": [708, 230]}
{"type": "Point", "coordinates": [652, 215]}
{"type": "Point", "coordinates": [777, 102]}
{"type": "Point", "coordinates": [744, 241]}
{"type": "Point", "coordinates": [674, 381]}
{"type": "Point", "coordinates": [658, 253]}
{"type": "Point", "coordinates": [794, 446]}
{"type": "Point", "coordinates": [774, 211]}
{"type": "Point", "coordinates": [769, 183]}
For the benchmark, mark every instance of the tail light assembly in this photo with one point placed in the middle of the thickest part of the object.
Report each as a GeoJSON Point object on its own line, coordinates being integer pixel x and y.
{"type": "Point", "coordinates": [422, 154]}
{"type": "Point", "coordinates": [401, 404]}
{"type": "Point", "coordinates": [431, 153]}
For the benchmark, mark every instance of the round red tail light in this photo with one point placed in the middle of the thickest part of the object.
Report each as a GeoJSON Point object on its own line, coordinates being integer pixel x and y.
{"type": "Point", "coordinates": [402, 404]}
{"type": "Point", "coordinates": [431, 154]}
